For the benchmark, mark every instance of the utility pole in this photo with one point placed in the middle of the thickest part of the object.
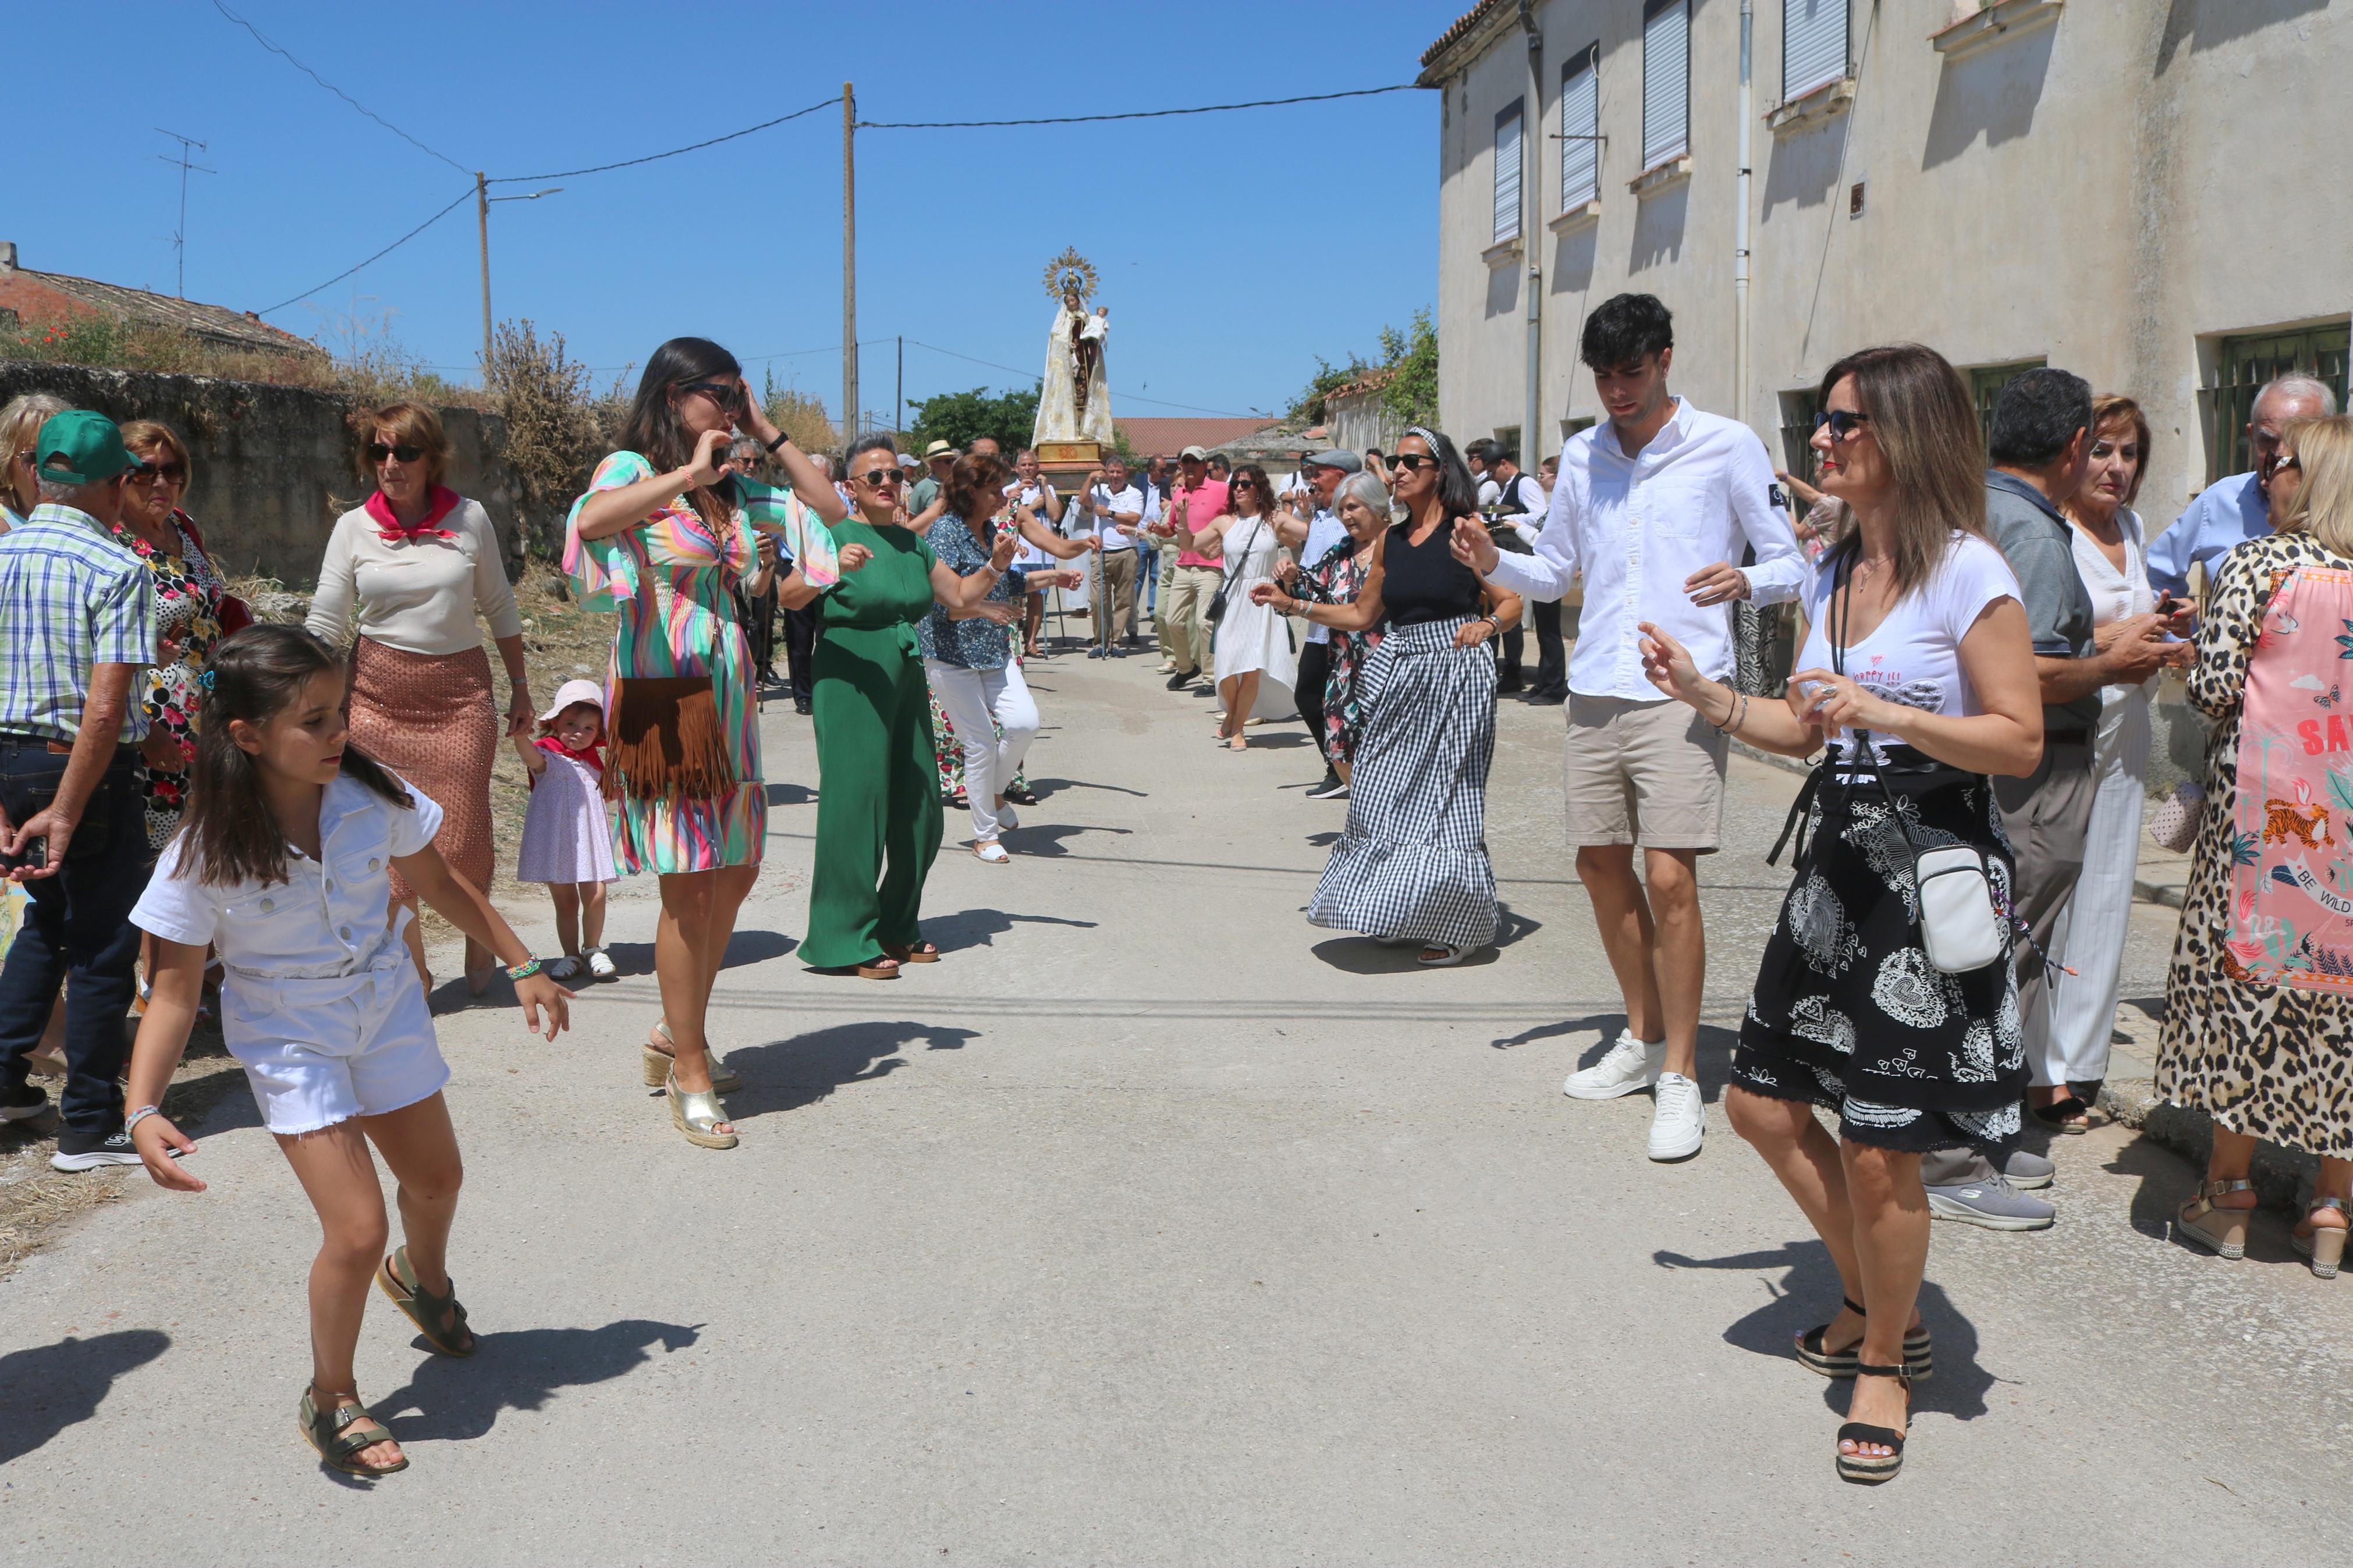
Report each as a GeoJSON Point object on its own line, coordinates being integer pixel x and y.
{"type": "Point", "coordinates": [482, 200]}
{"type": "Point", "coordinates": [848, 264]}
{"type": "Point", "coordinates": [899, 403]}
{"type": "Point", "coordinates": [180, 236]}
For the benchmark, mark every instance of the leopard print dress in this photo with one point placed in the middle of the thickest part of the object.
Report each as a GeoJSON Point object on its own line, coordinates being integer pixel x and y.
{"type": "Point", "coordinates": [2266, 1060]}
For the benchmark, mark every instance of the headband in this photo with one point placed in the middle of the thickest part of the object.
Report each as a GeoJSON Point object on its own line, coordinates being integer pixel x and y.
{"type": "Point", "coordinates": [1427, 436]}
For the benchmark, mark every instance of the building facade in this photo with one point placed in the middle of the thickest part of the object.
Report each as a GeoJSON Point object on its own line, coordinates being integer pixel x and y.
{"type": "Point", "coordinates": [2131, 190]}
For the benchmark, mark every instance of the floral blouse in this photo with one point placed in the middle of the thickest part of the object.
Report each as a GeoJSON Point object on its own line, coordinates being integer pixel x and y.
{"type": "Point", "coordinates": [188, 593]}
{"type": "Point", "coordinates": [975, 644]}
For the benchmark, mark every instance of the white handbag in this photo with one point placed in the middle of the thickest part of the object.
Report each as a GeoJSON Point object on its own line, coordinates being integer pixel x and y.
{"type": "Point", "coordinates": [1960, 928]}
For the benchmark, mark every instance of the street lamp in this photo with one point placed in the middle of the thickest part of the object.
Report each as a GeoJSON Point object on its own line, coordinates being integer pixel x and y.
{"type": "Point", "coordinates": [482, 200]}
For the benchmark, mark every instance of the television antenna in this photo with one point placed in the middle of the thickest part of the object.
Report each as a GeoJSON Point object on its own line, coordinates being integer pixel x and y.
{"type": "Point", "coordinates": [180, 236]}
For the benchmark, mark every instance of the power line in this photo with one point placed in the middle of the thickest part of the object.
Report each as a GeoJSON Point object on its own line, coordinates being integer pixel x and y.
{"type": "Point", "coordinates": [657, 157]}
{"type": "Point", "coordinates": [338, 92]}
{"type": "Point", "coordinates": [387, 250]}
{"type": "Point", "coordinates": [1133, 114]}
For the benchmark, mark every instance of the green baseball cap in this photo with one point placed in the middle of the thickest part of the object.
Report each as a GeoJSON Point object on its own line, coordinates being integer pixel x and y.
{"type": "Point", "coordinates": [90, 445]}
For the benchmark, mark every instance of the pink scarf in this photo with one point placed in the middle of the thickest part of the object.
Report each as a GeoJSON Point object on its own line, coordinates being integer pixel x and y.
{"type": "Point", "coordinates": [440, 502]}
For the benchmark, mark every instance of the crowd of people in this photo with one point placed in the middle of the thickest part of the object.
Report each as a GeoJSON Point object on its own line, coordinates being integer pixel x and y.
{"type": "Point", "coordinates": [203, 812]}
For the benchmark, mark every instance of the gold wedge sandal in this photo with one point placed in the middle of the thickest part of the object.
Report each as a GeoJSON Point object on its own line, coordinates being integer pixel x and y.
{"type": "Point", "coordinates": [2323, 1244]}
{"type": "Point", "coordinates": [656, 1063]}
{"type": "Point", "coordinates": [698, 1116]}
{"type": "Point", "coordinates": [2220, 1231]}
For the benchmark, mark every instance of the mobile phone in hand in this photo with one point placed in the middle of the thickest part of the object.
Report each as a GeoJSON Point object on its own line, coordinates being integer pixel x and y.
{"type": "Point", "coordinates": [35, 857]}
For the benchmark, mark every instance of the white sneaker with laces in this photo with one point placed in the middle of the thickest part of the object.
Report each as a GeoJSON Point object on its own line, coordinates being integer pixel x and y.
{"type": "Point", "coordinates": [601, 965]}
{"type": "Point", "coordinates": [1679, 1121]}
{"type": "Point", "coordinates": [1630, 1065]}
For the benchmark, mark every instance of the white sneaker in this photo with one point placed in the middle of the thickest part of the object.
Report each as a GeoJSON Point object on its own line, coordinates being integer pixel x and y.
{"type": "Point", "coordinates": [1630, 1065]}
{"type": "Point", "coordinates": [601, 965]}
{"type": "Point", "coordinates": [1679, 1120]}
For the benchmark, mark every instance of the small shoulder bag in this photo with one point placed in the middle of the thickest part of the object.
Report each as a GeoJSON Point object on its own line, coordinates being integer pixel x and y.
{"type": "Point", "coordinates": [1217, 608]}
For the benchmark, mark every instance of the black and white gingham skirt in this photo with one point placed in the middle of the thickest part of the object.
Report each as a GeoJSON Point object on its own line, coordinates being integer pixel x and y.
{"type": "Point", "coordinates": [1413, 862]}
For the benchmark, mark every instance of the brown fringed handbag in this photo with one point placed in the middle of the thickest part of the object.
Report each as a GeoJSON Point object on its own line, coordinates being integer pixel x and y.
{"type": "Point", "coordinates": [668, 742]}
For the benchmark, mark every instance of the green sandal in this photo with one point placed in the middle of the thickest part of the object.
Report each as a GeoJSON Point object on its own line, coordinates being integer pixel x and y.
{"type": "Point", "coordinates": [341, 1433]}
{"type": "Point", "coordinates": [427, 1311]}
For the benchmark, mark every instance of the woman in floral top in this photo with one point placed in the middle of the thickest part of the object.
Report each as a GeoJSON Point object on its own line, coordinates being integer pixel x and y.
{"type": "Point", "coordinates": [1363, 507]}
{"type": "Point", "coordinates": [189, 597]}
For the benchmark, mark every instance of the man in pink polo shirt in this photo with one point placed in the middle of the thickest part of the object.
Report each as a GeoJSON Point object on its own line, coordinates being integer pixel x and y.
{"type": "Point", "coordinates": [1196, 502]}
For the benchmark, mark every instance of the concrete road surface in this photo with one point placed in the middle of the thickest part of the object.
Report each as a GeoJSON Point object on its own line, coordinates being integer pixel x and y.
{"type": "Point", "coordinates": [1154, 1226]}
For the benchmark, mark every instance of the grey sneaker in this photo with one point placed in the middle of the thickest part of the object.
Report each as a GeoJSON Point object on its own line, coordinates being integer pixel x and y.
{"type": "Point", "coordinates": [2027, 1171]}
{"type": "Point", "coordinates": [1994, 1204]}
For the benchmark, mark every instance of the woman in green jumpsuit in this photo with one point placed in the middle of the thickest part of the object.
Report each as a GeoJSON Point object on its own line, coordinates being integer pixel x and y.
{"type": "Point", "coordinates": [878, 805]}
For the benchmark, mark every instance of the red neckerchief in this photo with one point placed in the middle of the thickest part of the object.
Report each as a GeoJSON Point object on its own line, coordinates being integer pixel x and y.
{"type": "Point", "coordinates": [590, 756]}
{"type": "Point", "coordinates": [441, 501]}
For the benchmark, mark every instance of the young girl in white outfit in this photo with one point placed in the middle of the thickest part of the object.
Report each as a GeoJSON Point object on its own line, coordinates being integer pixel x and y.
{"type": "Point", "coordinates": [284, 859]}
{"type": "Point", "coordinates": [567, 836]}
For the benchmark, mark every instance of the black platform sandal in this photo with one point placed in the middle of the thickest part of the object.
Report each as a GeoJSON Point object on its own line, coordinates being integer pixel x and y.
{"type": "Point", "coordinates": [1871, 1469]}
{"type": "Point", "coordinates": [1919, 1354]}
{"type": "Point", "coordinates": [2068, 1115]}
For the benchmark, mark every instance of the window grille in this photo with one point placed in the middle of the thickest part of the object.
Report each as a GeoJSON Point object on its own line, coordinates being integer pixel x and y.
{"type": "Point", "coordinates": [1986, 382]}
{"type": "Point", "coordinates": [2242, 366]}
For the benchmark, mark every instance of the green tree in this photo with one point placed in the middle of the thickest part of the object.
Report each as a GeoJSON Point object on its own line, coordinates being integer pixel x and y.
{"type": "Point", "coordinates": [1411, 358]}
{"type": "Point", "coordinates": [1307, 408]}
{"type": "Point", "coordinates": [956, 417]}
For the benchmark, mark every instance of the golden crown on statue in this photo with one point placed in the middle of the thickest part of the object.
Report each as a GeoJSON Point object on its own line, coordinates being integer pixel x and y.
{"type": "Point", "coordinates": [1071, 273]}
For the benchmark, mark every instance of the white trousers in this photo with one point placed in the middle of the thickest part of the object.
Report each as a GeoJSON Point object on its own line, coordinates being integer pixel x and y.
{"type": "Point", "coordinates": [981, 703]}
{"type": "Point", "coordinates": [2090, 935]}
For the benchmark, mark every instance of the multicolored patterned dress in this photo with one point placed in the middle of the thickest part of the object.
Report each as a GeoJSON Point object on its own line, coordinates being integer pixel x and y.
{"type": "Point", "coordinates": [670, 577]}
{"type": "Point", "coordinates": [1336, 580]}
{"type": "Point", "coordinates": [188, 593]}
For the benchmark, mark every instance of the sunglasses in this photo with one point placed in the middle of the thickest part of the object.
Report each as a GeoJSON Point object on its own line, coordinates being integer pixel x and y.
{"type": "Point", "coordinates": [170, 473]}
{"type": "Point", "coordinates": [1841, 423]}
{"type": "Point", "coordinates": [378, 452]}
{"type": "Point", "coordinates": [878, 477]}
{"type": "Point", "coordinates": [2287, 464]}
{"type": "Point", "coordinates": [727, 395]}
{"type": "Point", "coordinates": [1410, 461]}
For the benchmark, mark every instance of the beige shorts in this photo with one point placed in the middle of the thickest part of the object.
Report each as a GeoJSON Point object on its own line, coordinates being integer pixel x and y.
{"type": "Point", "coordinates": [1642, 772]}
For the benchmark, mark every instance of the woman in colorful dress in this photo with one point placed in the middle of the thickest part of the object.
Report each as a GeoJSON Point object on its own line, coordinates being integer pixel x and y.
{"type": "Point", "coordinates": [1362, 505]}
{"type": "Point", "coordinates": [878, 805]}
{"type": "Point", "coordinates": [2264, 1061]}
{"type": "Point", "coordinates": [405, 576]}
{"type": "Point", "coordinates": [190, 596]}
{"type": "Point", "coordinates": [668, 528]}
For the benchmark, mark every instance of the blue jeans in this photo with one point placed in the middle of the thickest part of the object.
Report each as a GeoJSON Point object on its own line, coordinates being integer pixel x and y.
{"type": "Point", "coordinates": [78, 926]}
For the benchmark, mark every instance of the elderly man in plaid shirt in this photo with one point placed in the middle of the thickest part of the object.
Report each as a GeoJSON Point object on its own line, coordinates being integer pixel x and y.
{"type": "Point", "coordinates": [80, 621]}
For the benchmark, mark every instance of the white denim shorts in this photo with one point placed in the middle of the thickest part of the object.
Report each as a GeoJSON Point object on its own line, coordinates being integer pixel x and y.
{"type": "Point", "coordinates": [321, 1051]}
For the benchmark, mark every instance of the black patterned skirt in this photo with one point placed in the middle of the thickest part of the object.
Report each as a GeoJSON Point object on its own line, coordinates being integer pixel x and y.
{"type": "Point", "coordinates": [1849, 1013]}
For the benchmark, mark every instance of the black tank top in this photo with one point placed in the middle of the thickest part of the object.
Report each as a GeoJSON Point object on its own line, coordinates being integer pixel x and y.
{"type": "Point", "coordinates": [1424, 582]}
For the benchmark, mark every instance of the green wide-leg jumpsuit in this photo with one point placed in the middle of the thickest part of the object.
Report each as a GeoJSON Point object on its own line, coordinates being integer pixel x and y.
{"type": "Point", "coordinates": [878, 806]}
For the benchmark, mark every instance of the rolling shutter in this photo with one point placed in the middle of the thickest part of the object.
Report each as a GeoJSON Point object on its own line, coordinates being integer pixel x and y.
{"type": "Point", "coordinates": [1813, 45]}
{"type": "Point", "coordinates": [1580, 116]}
{"type": "Point", "coordinates": [1507, 175]}
{"type": "Point", "coordinates": [1666, 81]}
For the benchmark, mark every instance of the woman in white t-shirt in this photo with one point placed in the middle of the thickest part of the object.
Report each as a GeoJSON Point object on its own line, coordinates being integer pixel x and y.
{"type": "Point", "coordinates": [1917, 646]}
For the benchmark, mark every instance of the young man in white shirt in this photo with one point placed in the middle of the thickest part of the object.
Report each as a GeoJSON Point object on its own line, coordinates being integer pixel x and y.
{"type": "Point", "coordinates": [1113, 508]}
{"type": "Point", "coordinates": [1652, 506]}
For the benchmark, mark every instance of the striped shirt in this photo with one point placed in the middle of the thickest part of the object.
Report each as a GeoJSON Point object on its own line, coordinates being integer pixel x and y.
{"type": "Point", "coordinates": [71, 598]}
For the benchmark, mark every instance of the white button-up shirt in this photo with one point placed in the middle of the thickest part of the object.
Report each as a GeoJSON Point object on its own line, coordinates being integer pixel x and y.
{"type": "Point", "coordinates": [325, 923]}
{"type": "Point", "coordinates": [1116, 536]}
{"type": "Point", "coordinates": [1638, 527]}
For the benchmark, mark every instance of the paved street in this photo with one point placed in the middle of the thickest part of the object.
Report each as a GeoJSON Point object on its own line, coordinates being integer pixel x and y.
{"type": "Point", "coordinates": [1155, 1225]}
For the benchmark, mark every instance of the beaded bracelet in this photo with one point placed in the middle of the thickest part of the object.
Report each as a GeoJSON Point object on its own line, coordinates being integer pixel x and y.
{"type": "Point", "coordinates": [523, 971]}
{"type": "Point", "coordinates": [136, 1117]}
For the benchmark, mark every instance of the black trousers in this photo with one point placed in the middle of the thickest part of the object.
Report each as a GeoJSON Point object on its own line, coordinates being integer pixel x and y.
{"type": "Point", "coordinates": [1552, 662]}
{"type": "Point", "coordinates": [800, 651]}
{"type": "Point", "coordinates": [1314, 677]}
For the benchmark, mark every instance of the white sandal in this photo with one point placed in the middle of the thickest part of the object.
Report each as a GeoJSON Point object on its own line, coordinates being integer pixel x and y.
{"type": "Point", "coordinates": [1449, 956]}
{"type": "Point", "coordinates": [993, 852]}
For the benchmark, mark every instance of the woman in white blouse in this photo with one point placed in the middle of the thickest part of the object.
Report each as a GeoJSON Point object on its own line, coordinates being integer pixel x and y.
{"type": "Point", "coordinates": [2110, 557]}
{"type": "Point", "coordinates": [404, 577]}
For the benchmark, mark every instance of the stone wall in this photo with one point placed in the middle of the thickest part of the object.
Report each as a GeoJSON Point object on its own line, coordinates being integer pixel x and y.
{"type": "Point", "coordinates": [273, 465]}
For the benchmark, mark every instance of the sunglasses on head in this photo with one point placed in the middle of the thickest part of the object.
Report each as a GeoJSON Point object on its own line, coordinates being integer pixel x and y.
{"type": "Point", "coordinates": [170, 473]}
{"type": "Point", "coordinates": [1410, 461]}
{"type": "Point", "coordinates": [725, 394]}
{"type": "Point", "coordinates": [1842, 423]}
{"type": "Point", "coordinates": [878, 477]}
{"type": "Point", "coordinates": [378, 452]}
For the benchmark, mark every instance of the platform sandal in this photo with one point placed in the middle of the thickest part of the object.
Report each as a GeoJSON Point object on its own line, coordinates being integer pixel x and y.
{"type": "Point", "coordinates": [699, 1116]}
{"type": "Point", "coordinates": [2323, 1244]}
{"type": "Point", "coordinates": [1871, 1469]}
{"type": "Point", "coordinates": [341, 1433]}
{"type": "Point", "coordinates": [439, 1318]}
{"type": "Point", "coordinates": [656, 1063]}
{"type": "Point", "coordinates": [2066, 1115]}
{"type": "Point", "coordinates": [1919, 1354]}
{"type": "Point", "coordinates": [2220, 1231]}
{"type": "Point", "coordinates": [921, 953]}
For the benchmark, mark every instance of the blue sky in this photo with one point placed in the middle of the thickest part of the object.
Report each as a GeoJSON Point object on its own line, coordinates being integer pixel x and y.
{"type": "Point", "coordinates": [1234, 248]}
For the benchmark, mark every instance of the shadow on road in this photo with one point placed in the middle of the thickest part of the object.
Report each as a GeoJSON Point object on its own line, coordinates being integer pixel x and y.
{"type": "Point", "coordinates": [636, 959]}
{"type": "Point", "coordinates": [1045, 841]}
{"type": "Point", "coordinates": [785, 1075]}
{"type": "Point", "coordinates": [1046, 787]}
{"type": "Point", "coordinates": [790, 795]}
{"type": "Point", "coordinates": [1808, 1294]}
{"type": "Point", "coordinates": [520, 1369]}
{"type": "Point", "coordinates": [48, 1388]}
{"type": "Point", "coordinates": [975, 928]}
{"type": "Point", "coordinates": [2166, 1182]}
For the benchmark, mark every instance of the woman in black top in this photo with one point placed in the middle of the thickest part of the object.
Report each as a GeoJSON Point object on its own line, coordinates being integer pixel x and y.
{"type": "Point", "coordinates": [1412, 865]}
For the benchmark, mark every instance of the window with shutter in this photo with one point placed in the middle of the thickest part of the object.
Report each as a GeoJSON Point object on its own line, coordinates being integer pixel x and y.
{"type": "Point", "coordinates": [1507, 175]}
{"type": "Point", "coordinates": [1580, 128]}
{"type": "Point", "coordinates": [1666, 81]}
{"type": "Point", "coordinates": [1813, 45]}
{"type": "Point", "coordinates": [2242, 367]}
